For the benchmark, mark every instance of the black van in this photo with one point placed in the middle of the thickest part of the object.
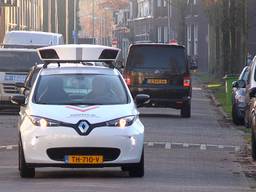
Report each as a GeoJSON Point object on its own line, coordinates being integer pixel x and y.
{"type": "Point", "coordinates": [161, 71]}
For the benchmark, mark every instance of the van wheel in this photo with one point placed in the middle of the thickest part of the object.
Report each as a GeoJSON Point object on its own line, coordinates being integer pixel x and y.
{"type": "Point", "coordinates": [186, 110]}
{"type": "Point", "coordinates": [136, 170]}
{"type": "Point", "coordinates": [25, 171]}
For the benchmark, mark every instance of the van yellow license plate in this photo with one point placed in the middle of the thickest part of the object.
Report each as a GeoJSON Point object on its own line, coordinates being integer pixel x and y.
{"type": "Point", "coordinates": [157, 81]}
{"type": "Point", "coordinates": [84, 159]}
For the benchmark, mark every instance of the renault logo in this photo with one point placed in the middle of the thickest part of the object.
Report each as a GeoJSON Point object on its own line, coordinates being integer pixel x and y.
{"type": "Point", "coordinates": [83, 126]}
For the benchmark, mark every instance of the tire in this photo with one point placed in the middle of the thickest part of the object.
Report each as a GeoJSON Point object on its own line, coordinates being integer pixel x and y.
{"type": "Point", "coordinates": [137, 170]}
{"type": "Point", "coordinates": [186, 110]}
{"type": "Point", "coordinates": [235, 118]}
{"type": "Point", "coordinates": [25, 171]}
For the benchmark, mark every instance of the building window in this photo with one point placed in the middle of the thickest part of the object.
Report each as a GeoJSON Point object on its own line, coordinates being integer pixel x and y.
{"type": "Point", "coordinates": [165, 34]}
{"type": "Point", "coordinates": [159, 3]}
{"type": "Point", "coordinates": [159, 34]}
{"type": "Point", "coordinates": [188, 39]}
{"type": "Point", "coordinates": [195, 39]}
{"type": "Point", "coordinates": [194, 2]}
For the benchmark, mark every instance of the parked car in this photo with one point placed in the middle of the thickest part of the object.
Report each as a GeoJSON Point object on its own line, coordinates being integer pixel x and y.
{"type": "Point", "coordinates": [14, 67]}
{"type": "Point", "coordinates": [161, 71]}
{"type": "Point", "coordinates": [250, 100]}
{"type": "Point", "coordinates": [238, 97]}
{"type": "Point", "coordinates": [66, 120]}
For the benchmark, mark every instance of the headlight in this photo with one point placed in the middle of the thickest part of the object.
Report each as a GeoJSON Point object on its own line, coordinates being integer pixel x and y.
{"type": "Point", "coordinates": [44, 122]}
{"type": "Point", "coordinates": [122, 122]}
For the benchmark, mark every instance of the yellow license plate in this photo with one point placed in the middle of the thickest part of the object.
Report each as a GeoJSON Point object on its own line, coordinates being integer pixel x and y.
{"type": "Point", "coordinates": [157, 81]}
{"type": "Point", "coordinates": [84, 159]}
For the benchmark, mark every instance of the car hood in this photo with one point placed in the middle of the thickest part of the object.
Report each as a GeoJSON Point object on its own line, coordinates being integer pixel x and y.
{"type": "Point", "coordinates": [73, 114]}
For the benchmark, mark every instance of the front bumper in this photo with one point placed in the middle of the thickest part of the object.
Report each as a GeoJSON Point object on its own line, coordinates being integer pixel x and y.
{"type": "Point", "coordinates": [38, 141]}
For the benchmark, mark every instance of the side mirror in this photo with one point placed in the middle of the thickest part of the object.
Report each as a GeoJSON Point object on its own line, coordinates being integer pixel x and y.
{"type": "Point", "coordinates": [141, 99]}
{"type": "Point", "coordinates": [241, 84]}
{"type": "Point", "coordinates": [252, 92]}
{"type": "Point", "coordinates": [193, 66]}
{"type": "Point", "coordinates": [234, 84]}
{"type": "Point", "coordinates": [18, 99]}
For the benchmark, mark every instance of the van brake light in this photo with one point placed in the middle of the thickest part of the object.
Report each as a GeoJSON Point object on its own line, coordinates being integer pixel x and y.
{"type": "Point", "coordinates": [128, 81]}
{"type": "Point", "coordinates": [186, 82]}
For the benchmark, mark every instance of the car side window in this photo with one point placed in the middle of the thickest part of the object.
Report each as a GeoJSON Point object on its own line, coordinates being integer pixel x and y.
{"type": "Point", "coordinates": [245, 76]}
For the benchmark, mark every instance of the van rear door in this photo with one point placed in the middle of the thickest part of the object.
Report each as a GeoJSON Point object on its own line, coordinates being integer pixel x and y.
{"type": "Point", "coordinates": [158, 70]}
{"type": "Point", "coordinates": [156, 65]}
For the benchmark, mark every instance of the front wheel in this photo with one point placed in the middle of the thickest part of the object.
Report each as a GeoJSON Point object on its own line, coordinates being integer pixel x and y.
{"type": "Point", "coordinates": [136, 170]}
{"type": "Point", "coordinates": [25, 171]}
{"type": "Point", "coordinates": [186, 110]}
{"type": "Point", "coordinates": [235, 118]}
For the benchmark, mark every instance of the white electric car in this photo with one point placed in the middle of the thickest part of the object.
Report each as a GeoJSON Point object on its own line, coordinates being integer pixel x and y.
{"type": "Point", "coordinates": [80, 116]}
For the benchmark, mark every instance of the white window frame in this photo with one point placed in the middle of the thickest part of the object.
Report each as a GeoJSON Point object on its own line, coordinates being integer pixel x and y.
{"type": "Point", "coordinates": [188, 39]}
{"type": "Point", "coordinates": [159, 34]}
{"type": "Point", "coordinates": [195, 39]}
{"type": "Point", "coordinates": [165, 34]}
{"type": "Point", "coordinates": [165, 3]}
{"type": "Point", "coordinates": [159, 3]}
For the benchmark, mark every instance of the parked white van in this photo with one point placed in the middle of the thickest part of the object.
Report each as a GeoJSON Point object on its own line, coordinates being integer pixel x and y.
{"type": "Point", "coordinates": [32, 38]}
{"type": "Point", "coordinates": [14, 67]}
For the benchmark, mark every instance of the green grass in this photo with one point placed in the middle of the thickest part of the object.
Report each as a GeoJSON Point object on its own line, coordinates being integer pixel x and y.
{"type": "Point", "coordinates": [217, 86]}
{"type": "Point", "coordinates": [218, 90]}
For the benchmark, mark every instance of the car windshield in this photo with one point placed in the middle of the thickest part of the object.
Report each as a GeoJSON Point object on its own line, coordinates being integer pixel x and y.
{"type": "Point", "coordinates": [18, 60]}
{"type": "Point", "coordinates": [163, 57]}
{"type": "Point", "coordinates": [80, 89]}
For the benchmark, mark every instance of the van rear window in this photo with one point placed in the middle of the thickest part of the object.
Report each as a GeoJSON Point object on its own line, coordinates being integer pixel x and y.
{"type": "Point", "coordinates": [158, 57]}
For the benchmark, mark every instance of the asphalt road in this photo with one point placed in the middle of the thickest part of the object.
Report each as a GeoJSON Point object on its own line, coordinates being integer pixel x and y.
{"type": "Point", "coordinates": [183, 155]}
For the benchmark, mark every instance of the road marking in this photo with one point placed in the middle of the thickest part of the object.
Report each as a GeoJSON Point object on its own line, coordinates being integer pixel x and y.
{"type": "Point", "coordinates": [203, 147]}
{"type": "Point", "coordinates": [196, 89]}
{"type": "Point", "coordinates": [8, 147]}
{"type": "Point", "coordinates": [168, 146]}
{"type": "Point", "coordinates": [237, 149]}
{"type": "Point", "coordinates": [150, 144]}
{"type": "Point", "coordinates": [165, 145]}
{"type": "Point", "coordinates": [185, 145]}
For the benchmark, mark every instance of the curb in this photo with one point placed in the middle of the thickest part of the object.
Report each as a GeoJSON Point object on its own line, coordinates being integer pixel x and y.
{"type": "Point", "coordinates": [219, 106]}
{"type": "Point", "coordinates": [8, 147]}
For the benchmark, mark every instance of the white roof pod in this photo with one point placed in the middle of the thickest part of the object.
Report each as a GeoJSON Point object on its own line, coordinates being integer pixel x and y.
{"type": "Point", "coordinates": [78, 53]}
